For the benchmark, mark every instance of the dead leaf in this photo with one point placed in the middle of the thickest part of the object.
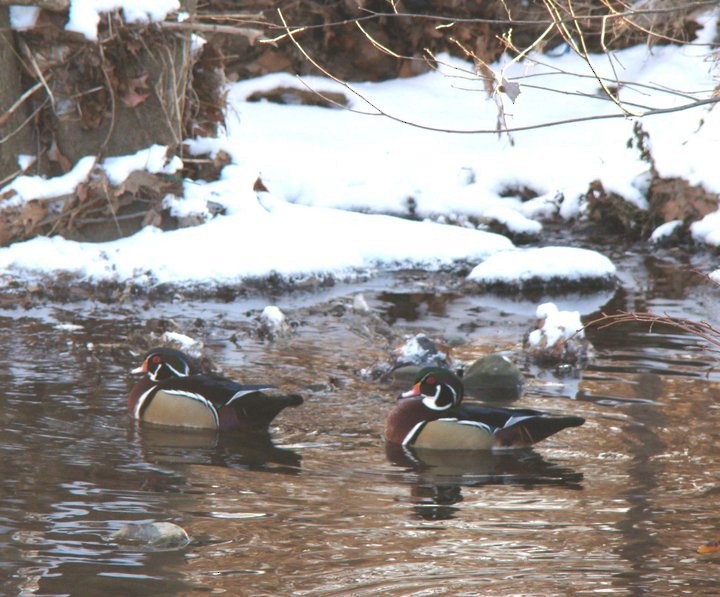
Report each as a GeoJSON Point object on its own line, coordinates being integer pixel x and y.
{"type": "Point", "coordinates": [55, 155]}
{"type": "Point", "coordinates": [712, 547]}
{"type": "Point", "coordinates": [510, 88]}
{"type": "Point", "coordinates": [132, 96]}
{"type": "Point", "coordinates": [31, 214]}
{"type": "Point", "coordinates": [259, 186]}
{"type": "Point", "coordinates": [6, 232]}
{"type": "Point", "coordinates": [152, 218]}
{"type": "Point", "coordinates": [137, 180]}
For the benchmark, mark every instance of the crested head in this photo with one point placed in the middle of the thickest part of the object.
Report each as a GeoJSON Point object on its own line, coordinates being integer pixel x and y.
{"type": "Point", "coordinates": [438, 389]}
{"type": "Point", "coordinates": [164, 363]}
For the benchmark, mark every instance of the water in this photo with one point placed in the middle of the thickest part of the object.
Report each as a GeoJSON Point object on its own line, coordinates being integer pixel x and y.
{"type": "Point", "coordinates": [617, 506]}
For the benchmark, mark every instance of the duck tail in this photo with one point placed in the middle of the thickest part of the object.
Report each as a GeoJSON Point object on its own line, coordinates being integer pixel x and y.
{"type": "Point", "coordinates": [260, 408]}
{"type": "Point", "coordinates": [529, 430]}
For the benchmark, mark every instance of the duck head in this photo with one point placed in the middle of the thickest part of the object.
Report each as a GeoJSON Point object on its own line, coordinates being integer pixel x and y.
{"type": "Point", "coordinates": [435, 392]}
{"type": "Point", "coordinates": [164, 363]}
{"type": "Point", "coordinates": [438, 389]}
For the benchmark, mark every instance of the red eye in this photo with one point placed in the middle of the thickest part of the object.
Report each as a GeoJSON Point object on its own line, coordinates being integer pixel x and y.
{"type": "Point", "coordinates": [431, 380]}
{"type": "Point", "coordinates": [156, 359]}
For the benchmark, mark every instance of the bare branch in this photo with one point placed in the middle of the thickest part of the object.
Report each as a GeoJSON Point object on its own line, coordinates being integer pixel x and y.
{"type": "Point", "coordinates": [376, 43]}
{"type": "Point", "coordinates": [701, 329]}
{"type": "Point", "coordinates": [5, 116]}
{"type": "Point", "coordinates": [252, 34]}
{"type": "Point", "coordinates": [625, 109]}
{"type": "Point", "coordinates": [629, 12]}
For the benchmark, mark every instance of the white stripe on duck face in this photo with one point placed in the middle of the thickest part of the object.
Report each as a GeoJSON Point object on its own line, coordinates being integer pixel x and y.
{"type": "Point", "coordinates": [184, 373]}
{"type": "Point", "coordinates": [432, 401]}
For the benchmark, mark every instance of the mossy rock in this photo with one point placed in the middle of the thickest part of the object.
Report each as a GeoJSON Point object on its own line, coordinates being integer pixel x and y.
{"type": "Point", "coordinates": [494, 378]}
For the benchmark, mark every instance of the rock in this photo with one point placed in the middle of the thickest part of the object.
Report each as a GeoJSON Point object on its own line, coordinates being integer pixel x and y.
{"type": "Point", "coordinates": [408, 359]}
{"type": "Point", "coordinates": [558, 338]}
{"type": "Point", "coordinates": [544, 268]}
{"type": "Point", "coordinates": [274, 324]}
{"type": "Point", "coordinates": [159, 535]}
{"type": "Point", "coordinates": [183, 342]}
{"type": "Point", "coordinates": [422, 351]}
{"type": "Point", "coordinates": [494, 378]}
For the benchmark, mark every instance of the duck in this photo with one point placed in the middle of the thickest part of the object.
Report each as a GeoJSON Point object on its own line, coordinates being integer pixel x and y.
{"type": "Point", "coordinates": [431, 416]}
{"type": "Point", "coordinates": [175, 392]}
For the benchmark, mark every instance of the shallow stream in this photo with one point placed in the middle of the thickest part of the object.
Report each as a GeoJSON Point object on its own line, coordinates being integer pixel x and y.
{"type": "Point", "coordinates": [617, 506]}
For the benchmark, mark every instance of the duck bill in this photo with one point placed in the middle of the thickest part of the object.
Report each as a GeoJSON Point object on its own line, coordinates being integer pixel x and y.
{"type": "Point", "coordinates": [411, 393]}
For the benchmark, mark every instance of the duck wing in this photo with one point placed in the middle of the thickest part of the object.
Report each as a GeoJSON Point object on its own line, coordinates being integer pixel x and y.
{"type": "Point", "coordinates": [517, 427]}
{"type": "Point", "coordinates": [256, 403]}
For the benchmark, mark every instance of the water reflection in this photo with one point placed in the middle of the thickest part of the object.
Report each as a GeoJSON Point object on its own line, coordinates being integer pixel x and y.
{"type": "Point", "coordinates": [162, 445]}
{"type": "Point", "coordinates": [442, 473]}
{"type": "Point", "coordinates": [618, 505]}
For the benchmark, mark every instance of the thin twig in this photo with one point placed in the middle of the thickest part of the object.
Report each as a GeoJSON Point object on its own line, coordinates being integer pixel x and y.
{"type": "Point", "coordinates": [36, 69]}
{"type": "Point", "coordinates": [11, 134]}
{"type": "Point", "coordinates": [251, 33]}
{"type": "Point", "coordinates": [19, 102]}
{"type": "Point", "coordinates": [701, 329]}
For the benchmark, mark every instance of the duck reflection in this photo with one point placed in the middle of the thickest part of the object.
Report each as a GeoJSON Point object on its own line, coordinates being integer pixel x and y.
{"type": "Point", "coordinates": [443, 473]}
{"type": "Point", "coordinates": [255, 451]}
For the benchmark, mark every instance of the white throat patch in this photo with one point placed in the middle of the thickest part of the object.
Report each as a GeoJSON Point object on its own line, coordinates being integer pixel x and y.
{"type": "Point", "coordinates": [432, 401]}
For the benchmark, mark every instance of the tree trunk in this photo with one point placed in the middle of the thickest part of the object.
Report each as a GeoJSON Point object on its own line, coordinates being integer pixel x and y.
{"type": "Point", "coordinates": [112, 97]}
{"type": "Point", "coordinates": [15, 138]}
{"type": "Point", "coordinates": [134, 97]}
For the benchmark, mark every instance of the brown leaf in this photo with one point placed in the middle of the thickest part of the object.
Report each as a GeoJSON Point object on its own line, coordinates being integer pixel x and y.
{"type": "Point", "coordinates": [259, 186]}
{"type": "Point", "coordinates": [6, 232]}
{"type": "Point", "coordinates": [132, 96]}
{"type": "Point", "coordinates": [55, 155]}
{"type": "Point", "coordinates": [81, 192]}
{"type": "Point", "coordinates": [152, 218]}
{"type": "Point", "coordinates": [137, 180]}
{"type": "Point", "coordinates": [31, 214]}
{"type": "Point", "coordinates": [712, 547]}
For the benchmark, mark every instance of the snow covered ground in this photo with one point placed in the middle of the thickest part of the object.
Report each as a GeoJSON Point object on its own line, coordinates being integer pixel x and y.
{"type": "Point", "coordinates": [333, 175]}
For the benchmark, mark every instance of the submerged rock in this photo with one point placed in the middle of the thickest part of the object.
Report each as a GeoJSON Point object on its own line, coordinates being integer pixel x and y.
{"type": "Point", "coordinates": [158, 535]}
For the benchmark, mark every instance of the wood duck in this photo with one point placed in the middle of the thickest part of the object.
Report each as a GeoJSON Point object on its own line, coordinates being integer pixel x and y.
{"type": "Point", "coordinates": [431, 416]}
{"type": "Point", "coordinates": [174, 392]}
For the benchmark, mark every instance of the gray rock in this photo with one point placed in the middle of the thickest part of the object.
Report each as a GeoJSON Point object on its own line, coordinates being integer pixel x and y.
{"type": "Point", "coordinates": [159, 535]}
{"type": "Point", "coordinates": [493, 378]}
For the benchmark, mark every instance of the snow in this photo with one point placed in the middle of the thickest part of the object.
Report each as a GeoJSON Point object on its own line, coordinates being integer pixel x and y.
{"type": "Point", "coordinates": [547, 263]}
{"type": "Point", "coordinates": [557, 326]}
{"type": "Point", "coordinates": [707, 230]}
{"type": "Point", "coordinates": [153, 159]}
{"type": "Point", "coordinates": [272, 315]}
{"type": "Point", "coordinates": [85, 14]}
{"type": "Point", "coordinates": [38, 187]}
{"type": "Point", "coordinates": [665, 230]}
{"type": "Point", "coordinates": [335, 176]}
{"type": "Point", "coordinates": [186, 343]}
{"type": "Point", "coordinates": [23, 17]}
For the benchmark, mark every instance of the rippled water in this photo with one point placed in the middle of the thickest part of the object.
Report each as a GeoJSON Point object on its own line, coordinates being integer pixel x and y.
{"type": "Point", "coordinates": [616, 506]}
